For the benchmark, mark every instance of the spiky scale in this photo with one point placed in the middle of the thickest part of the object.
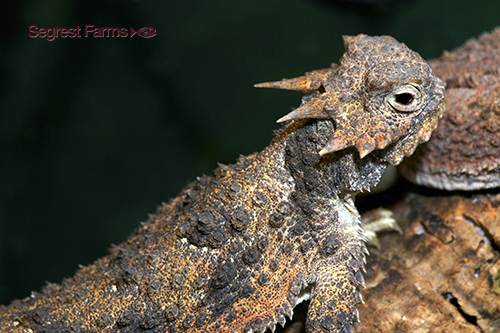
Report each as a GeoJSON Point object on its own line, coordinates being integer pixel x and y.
{"type": "Point", "coordinates": [337, 142]}
{"type": "Point", "coordinates": [311, 109]}
{"type": "Point", "coordinates": [305, 84]}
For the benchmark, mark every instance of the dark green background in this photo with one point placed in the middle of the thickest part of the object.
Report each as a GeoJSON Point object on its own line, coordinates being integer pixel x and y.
{"type": "Point", "coordinates": [96, 132]}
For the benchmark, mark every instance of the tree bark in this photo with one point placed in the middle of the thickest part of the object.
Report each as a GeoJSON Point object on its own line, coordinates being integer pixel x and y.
{"type": "Point", "coordinates": [442, 274]}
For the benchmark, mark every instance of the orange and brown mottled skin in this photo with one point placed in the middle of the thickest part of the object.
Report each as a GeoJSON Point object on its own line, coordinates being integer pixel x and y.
{"type": "Point", "coordinates": [463, 154]}
{"type": "Point", "coordinates": [235, 252]}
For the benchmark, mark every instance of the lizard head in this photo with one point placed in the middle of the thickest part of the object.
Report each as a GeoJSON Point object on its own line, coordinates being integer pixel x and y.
{"type": "Point", "coordinates": [380, 96]}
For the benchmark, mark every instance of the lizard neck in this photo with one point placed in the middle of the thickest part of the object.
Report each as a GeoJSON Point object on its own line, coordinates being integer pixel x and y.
{"type": "Point", "coordinates": [339, 174]}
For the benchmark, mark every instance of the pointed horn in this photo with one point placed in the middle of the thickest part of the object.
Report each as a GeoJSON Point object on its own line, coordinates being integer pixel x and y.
{"type": "Point", "coordinates": [365, 146]}
{"type": "Point", "coordinates": [336, 143]}
{"type": "Point", "coordinates": [304, 84]}
{"type": "Point", "coordinates": [311, 109]}
{"type": "Point", "coordinates": [301, 83]}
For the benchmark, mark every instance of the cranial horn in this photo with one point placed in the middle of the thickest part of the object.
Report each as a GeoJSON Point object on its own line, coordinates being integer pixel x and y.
{"type": "Point", "coordinates": [312, 109]}
{"type": "Point", "coordinates": [337, 142]}
{"type": "Point", "coordinates": [365, 145]}
{"type": "Point", "coordinates": [301, 83]}
{"type": "Point", "coordinates": [304, 84]}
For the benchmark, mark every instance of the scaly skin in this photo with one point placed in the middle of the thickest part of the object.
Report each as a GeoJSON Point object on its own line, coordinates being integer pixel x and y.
{"type": "Point", "coordinates": [235, 252]}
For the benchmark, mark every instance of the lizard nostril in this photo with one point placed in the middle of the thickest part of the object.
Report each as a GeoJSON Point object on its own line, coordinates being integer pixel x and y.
{"type": "Point", "coordinates": [321, 89]}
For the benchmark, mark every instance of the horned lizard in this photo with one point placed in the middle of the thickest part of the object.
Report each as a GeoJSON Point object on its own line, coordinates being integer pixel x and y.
{"type": "Point", "coordinates": [236, 251]}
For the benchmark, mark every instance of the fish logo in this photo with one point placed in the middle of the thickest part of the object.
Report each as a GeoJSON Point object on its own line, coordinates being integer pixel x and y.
{"type": "Point", "coordinates": [146, 32]}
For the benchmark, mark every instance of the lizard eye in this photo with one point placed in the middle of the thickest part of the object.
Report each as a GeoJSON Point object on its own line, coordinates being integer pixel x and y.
{"type": "Point", "coordinates": [406, 98]}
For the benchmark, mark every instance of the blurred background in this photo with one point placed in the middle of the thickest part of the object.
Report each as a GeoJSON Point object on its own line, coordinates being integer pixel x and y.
{"type": "Point", "coordinates": [96, 132]}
